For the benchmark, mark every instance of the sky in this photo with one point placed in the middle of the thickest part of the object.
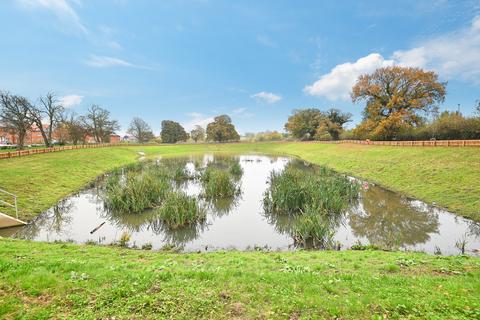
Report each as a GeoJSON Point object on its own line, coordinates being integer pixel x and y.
{"type": "Point", "coordinates": [256, 61]}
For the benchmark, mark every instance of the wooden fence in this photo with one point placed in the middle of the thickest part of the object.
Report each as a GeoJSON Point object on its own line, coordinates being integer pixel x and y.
{"type": "Point", "coordinates": [421, 143]}
{"type": "Point", "coordinates": [28, 152]}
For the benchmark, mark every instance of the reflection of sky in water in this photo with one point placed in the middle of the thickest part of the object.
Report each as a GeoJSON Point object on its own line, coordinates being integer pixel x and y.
{"type": "Point", "coordinates": [381, 217]}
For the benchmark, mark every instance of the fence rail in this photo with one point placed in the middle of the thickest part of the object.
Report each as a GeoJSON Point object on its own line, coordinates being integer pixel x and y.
{"type": "Point", "coordinates": [13, 204]}
{"type": "Point", "coordinates": [416, 143]}
{"type": "Point", "coordinates": [420, 143]}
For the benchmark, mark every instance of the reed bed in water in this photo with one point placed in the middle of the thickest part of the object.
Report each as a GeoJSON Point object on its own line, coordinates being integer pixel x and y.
{"type": "Point", "coordinates": [179, 210]}
{"type": "Point", "coordinates": [218, 183]}
{"type": "Point", "coordinates": [134, 190]}
{"type": "Point", "coordinates": [315, 197]}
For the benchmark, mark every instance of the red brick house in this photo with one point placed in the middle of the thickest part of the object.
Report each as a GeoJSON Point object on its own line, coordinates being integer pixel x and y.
{"type": "Point", "coordinates": [34, 136]}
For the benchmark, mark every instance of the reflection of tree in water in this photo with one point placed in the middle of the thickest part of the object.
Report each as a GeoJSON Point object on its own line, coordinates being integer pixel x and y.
{"type": "Point", "coordinates": [55, 219]}
{"type": "Point", "coordinates": [388, 219]}
{"type": "Point", "coordinates": [474, 229]}
{"type": "Point", "coordinates": [223, 162]}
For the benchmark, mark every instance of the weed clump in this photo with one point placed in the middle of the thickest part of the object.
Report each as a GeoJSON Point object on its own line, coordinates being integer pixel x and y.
{"type": "Point", "coordinates": [218, 183]}
{"type": "Point", "coordinates": [315, 198]}
{"type": "Point", "coordinates": [136, 190]}
{"type": "Point", "coordinates": [319, 189]}
{"type": "Point", "coordinates": [179, 210]}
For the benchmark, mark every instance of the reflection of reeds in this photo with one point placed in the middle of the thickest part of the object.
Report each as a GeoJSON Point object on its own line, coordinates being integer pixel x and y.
{"type": "Point", "coordinates": [313, 200]}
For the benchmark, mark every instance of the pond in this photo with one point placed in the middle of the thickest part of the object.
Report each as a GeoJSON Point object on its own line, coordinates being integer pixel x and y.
{"type": "Point", "coordinates": [377, 216]}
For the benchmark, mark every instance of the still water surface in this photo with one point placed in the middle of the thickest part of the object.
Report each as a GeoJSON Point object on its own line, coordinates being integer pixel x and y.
{"type": "Point", "coordinates": [379, 217]}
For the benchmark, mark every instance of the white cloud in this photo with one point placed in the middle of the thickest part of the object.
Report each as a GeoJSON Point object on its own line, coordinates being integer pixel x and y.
{"type": "Point", "coordinates": [60, 8]}
{"type": "Point", "coordinates": [104, 61]}
{"type": "Point", "coordinates": [197, 119]}
{"type": "Point", "coordinates": [242, 113]}
{"type": "Point", "coordinates": [336, 84]}
{"type": "Point", "coordinates": [453, 55]}
{"type": "Point", "coordinates": [266, 41]}
{"type": "Point", "coordinates": [239, 110]}
{"type": "Point", "coordinates": [71, 100]}
{"type": "Point", "coordinates": [267, 97]}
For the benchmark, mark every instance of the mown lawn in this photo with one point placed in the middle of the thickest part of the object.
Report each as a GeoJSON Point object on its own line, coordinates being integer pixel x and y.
{"type": "Point", "coordinates": [448, 177]}
{"type": "Point", "coordinates": [54, 281]}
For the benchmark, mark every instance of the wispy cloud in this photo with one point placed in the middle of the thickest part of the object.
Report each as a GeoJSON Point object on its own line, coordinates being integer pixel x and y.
{"type": "Point", "coordinates": [452, 55]}
{"type": "Point", "coordinates": [266, 41]}
{"type": "Point", "coordinates": [71, 100]}
{"type": "Point", "coordinates": [105, 62]}
{"type": "Point", "coordinates": [197, 119]}
{"type": "Point", "coordinates": [60, 8]}
{"type": "Point", "coordinates": [242, 112]}
{"type": "Point", "coordinates": [267, 97]}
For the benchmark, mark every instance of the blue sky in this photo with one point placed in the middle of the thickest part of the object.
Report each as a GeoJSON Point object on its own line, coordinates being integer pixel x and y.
{"type": "Point", "coordinates": [254, 60]}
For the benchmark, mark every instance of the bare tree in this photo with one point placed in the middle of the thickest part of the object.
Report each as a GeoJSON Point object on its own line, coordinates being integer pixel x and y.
{"type": "Point", "coordinates": [98, 123]}
{"type": "Point", "coordinates": [76, 132]}
{"type": "Point", "coordinates": [140, 130]}
{"type": "Point", "coordinates": [48, 110]}
{"type": "Point", "coordinates": [14, 115]}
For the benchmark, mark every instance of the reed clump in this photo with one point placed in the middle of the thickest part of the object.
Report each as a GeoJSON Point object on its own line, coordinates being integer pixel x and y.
{"type": "Point", "coordinates": [315, 197]}
{"type": "Point", "coordinates": [218, 183]}
{"type": "Point", "coordinates": [134, 190]}
{"type": "Point", "coordinates": [180, 210]}
{"type": "Point", "coordinates": [294, 189]}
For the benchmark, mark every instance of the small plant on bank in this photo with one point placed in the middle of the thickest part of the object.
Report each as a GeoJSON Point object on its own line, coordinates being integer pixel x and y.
{"type": "Point", "coordinates": [124, 239]}
{"type": "Point", "coordinates": [179, 210]}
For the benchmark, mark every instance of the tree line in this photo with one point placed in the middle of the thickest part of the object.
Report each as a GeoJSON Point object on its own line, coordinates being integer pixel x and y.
{"type": "Point", "coordinates": [18, 116]}
{"type": "Point", "coordinates": [401, 103]}
{"type": "Point", "coordinates": [56, 124]}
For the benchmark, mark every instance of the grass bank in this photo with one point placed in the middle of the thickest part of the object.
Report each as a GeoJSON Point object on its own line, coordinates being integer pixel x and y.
{"type": "Point", "coordinates": [445, 176]}
{"type": "Point", "coordinates": [53, 281]}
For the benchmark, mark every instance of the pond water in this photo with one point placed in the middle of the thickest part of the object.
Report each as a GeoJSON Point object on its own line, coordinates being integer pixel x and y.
{"type": "Point", "coordinates": [379, 217]}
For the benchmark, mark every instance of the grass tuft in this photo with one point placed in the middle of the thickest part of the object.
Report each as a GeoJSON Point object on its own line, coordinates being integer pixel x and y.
{"type": "Point", "coordinates": [218, 183]}
{"type": "Point", "coordinates": [179, 210]}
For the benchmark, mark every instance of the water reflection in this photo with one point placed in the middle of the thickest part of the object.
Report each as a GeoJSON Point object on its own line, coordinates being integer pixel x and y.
{"type": "Point", "coordinates": [379, 217]}
{"type": "Point", "coordinates": [389, 220]}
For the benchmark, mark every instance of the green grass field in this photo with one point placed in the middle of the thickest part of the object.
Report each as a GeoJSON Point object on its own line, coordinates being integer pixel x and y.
{"type": "Point", "coordinates": [57, 281]}
{"type": "Point", "coordinates": [447, 177]}
{"type": "Point", "coordinates": [60, 280]}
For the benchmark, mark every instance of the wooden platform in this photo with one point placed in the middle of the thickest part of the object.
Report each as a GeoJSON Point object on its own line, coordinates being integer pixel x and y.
{"type": "Point", "coordinates": [7, 221]}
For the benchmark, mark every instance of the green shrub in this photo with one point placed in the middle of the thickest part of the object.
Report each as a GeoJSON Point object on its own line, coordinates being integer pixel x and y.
{"type": "Point", "coordinates": [179, 210]}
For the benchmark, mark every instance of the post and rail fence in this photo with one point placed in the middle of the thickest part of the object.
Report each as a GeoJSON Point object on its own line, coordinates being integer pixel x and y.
{"type": "Point", "coordinates": [414, 143]}
{"type": "Point", "coordinates": [13, 204]}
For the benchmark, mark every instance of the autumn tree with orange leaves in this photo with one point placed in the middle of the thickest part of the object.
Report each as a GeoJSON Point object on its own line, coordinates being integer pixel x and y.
{"type": "Point", "coordinates": [397, 98]}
